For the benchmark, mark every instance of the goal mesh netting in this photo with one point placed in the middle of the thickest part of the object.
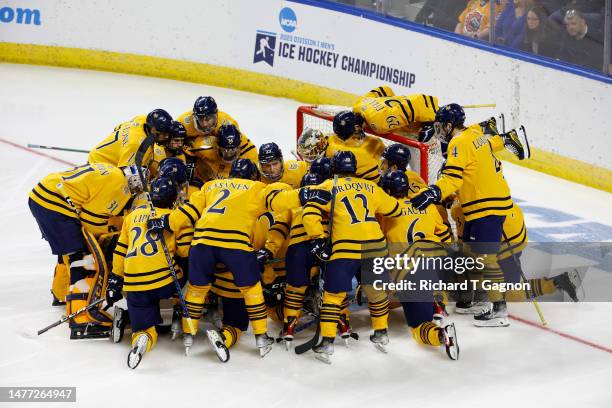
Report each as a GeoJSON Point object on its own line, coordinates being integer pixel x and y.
{"type": "Point", "coordinates": [426, 158]}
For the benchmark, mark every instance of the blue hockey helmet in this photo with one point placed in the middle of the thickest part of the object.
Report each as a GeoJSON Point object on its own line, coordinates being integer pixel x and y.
{"type": "Point", "coordinates": [322, 166]}
{"type": "Point", "coordinates": [178, 133]}
{"type": "Point", "coordinates": [158, 125]}
{"type": "Point", "coordinates": [395, 183]}
{"type": "Point", "coordinates": [452, 114]}
{"type": "Point", "coordinates": [244, 169]}
{"type": "Point", "coordinates": [228, 143]}
{"type": "Point", "coordinates": [344, 162]}
{"type": "Point", "coordinates": [205, 114]}
{"type": "Point", "coordinates": [311, 179]}
{"type": "Point", "coordinates": [397, 155]}
{"type": "Point", "coordinates": [174, 168]}
{"type": "Point", "coordinates": [164, 192]}
{"type": "Point", "coordinates": [271, 161]}
{"type": "Point", "coordinates": [344, 124]}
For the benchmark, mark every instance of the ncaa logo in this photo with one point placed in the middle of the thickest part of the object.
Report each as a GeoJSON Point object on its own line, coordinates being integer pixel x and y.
{"type": "Point", "coordinates": [287, 20]}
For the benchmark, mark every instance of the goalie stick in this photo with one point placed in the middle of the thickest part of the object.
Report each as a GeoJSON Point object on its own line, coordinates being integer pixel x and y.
{"type": "Point", "coordinates": [66, 318]}
{"type": "Point", "coordinates": [308, 345]}
{"type": "Point", "coordinates": [144, 146]}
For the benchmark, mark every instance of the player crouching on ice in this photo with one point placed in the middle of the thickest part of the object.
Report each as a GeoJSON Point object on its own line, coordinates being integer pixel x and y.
{"type": "Point", "coordinates": [73, 209]}
{"type": "Point", "coordinates": [141, 270]}
{"type": "Point", "coordinates": [418, 230]}
{"type": "Point", "coordinates": [224, 213]}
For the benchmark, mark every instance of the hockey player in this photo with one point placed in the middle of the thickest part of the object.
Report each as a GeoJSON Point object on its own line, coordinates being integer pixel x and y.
{"type": "Point", "coordinates": [514, 241]}
{"type": "Point", "coordinates": [349, 136]}
{"type": "Point", "coordinates": [141, 270]}
{"type": "Point", "coordinates": [120, 147]}
{"type": "Point", "coordinates": [417, 230]}
{"type": "Point", "coordinates": [172, 148]}
{"type": "Point", "coordinates": [356, 237]}
{"type": "Point", "coordinates": [72, 208]}
{"type": "Point", "coordinates": [311, 144]}
{"type": "Point", "coordinates": [274, 169]}
{"type": "Point", "coordinates": [384, 112]}
{"type": "Point", "coordinates": [202, 124]}
{"type": "Point", "coordinates": [397, 157]}
{"type": "Point", "coordinates": [224, 213]}
{"type": "Point", "coordinates": [300, 262]}
{"type": "Point", "coordinates": [227, 150]}
{"type": "Point", "coordinates": [321, 167]}
{"type": "Point", "coordinates": [473, 170]}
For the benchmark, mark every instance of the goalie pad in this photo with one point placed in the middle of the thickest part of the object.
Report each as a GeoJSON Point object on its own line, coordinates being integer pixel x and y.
{"type": "Point", "coordinates": [61, 280]}
{"type": "Point", "coordinates": [89, 289]}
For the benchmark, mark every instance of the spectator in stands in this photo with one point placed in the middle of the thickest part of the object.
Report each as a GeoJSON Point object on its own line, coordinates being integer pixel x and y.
{"type": "Point", "coordinates": [540, 36]}
{"type": "Point", "coordinates": [474, 20]}
{"type": "Point", "coordinates": [510, 26]}
{"type": "Point", "coordinates": [580, 45]}
{"type": "Point", "coordinates": [441, 14]}
{"type": "Point", "coordinates": [592, 11]}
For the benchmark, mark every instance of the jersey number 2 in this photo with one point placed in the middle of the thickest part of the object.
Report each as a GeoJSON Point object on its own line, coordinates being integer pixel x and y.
{"type": "Point", "coordinates": [215, 209]}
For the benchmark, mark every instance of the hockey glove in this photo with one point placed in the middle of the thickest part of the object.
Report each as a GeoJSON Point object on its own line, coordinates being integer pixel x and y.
{"type": "Point", "coordinates": [426, 133]}
{"type": "Point", "coordinates": [114, 287]}
{"type": "Point", "coordinates": [321, 249]}
{"type": "Point", "coordinates": [429, 196]}
{"type": "Point", "coordinates": [159, 224]}
{"type": "Point", "coordinates": [263, 256]}
{"type": "Point", "coordinates": [314, 195]}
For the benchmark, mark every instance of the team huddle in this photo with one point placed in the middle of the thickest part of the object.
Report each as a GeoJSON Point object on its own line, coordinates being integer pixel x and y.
{"type": "Point", "coordinates": [191, 213]}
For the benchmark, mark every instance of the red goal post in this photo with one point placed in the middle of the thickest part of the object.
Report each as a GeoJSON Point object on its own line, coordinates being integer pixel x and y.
{"type": "Point", "coordinates": [426, 158]}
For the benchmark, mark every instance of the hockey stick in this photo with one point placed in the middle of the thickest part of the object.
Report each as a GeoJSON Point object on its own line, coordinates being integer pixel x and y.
{"type": "Point", "coordinates": [63, 149]}
{"type": "Point", "coordinates": [142, 149]}
{"type": "Point", "coordinates": [66, 318]}
{"type": "Point", "coordinates": [308, 345]}
{"type": "Point", "coordinates": [529, 296]}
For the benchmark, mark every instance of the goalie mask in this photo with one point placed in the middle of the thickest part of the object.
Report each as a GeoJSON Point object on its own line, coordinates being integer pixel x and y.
{"type": "Point", "coordinates": [133, 179]}
{"type": "Point", "coordinates": [311, 144]}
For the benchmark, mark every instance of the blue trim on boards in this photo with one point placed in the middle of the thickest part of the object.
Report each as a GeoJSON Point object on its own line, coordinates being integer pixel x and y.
{"type": "Point", "coordinates": [456, 38]}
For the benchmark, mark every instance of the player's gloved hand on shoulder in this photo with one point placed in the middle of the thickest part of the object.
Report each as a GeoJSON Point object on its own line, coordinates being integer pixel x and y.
{"type": "Point", "coordinates": [114, 287]}
{"type": "Point", "coordinates": [429, 196]}
{"type": "Point", "coordinates": [263, 256]}
{"type": "Point", "coordinates": [314, 195]}
{"type": "Point", "coordinates": [159, 224]}
{"type": "Point", "coordinates": [426, 133]}
{"type": "Point", "coordinates": [321, 249]}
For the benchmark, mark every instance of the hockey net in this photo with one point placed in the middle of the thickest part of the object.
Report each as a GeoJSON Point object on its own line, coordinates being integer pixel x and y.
{"type": "Point", "coordinates": [426, 158]}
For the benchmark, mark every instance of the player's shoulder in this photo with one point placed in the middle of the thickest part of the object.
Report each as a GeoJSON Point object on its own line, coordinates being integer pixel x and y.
{"type": "Point", "coordinates": [106, 169]}
{"type": "Point", "coordinates": [295, 165]}
{"type": "Point", "coordinates": [224, 118]}
{"type": "Point", "coordinates": [185, 118]}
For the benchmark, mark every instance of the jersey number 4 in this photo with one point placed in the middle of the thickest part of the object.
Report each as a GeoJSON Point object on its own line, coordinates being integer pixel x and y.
{"type": "Point", "coordinates": [351, 211]}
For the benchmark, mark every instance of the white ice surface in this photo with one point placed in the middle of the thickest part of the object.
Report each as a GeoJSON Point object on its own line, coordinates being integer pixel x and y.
{"type": "Point", "coordinates": [517, 366]}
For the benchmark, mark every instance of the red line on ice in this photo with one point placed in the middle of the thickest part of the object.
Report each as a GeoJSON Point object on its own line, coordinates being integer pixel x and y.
{"type": "Point", "coordinates": [560, 333]}
{"type": "Point", "coordinates": [27, 149]}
